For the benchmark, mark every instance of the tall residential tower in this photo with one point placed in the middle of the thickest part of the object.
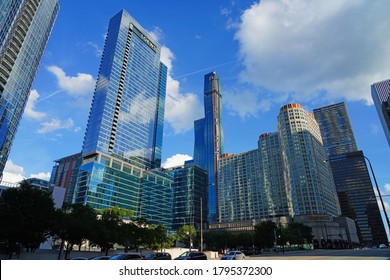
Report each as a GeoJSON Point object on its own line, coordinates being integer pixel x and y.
{"type": "Point", "coordinates": [209, 139]}
{"type": "Point", "coordinates": [25, 27]}
{"type": "Point", "coordinates": [123, 138]}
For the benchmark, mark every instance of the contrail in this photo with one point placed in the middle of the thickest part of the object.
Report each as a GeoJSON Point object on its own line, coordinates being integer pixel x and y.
{"type": "Point", "coordinates": [54, 93]}
{"type": "Point", "coordinates": [202, 70]}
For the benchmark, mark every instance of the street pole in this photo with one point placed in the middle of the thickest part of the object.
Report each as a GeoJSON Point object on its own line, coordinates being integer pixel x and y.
{"type": "Point", "coordinates": [201, 225]}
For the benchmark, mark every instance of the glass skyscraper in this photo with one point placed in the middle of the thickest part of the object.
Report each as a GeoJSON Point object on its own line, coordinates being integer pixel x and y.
{"type": "Point", "coordinates": [209, 139]}
{"type": "Point", "coordinates": [124, 133]}
{"type": "Point", "coordinates": [189, 195]}
{"type": "Point", "coordinates": [336, 129]}
{"type": "Point", "coordinates": [25, 27]}
{"type": "Point", "coordinates": [350, 173]}
{"type": "Point", "coordinates": [380, 92]}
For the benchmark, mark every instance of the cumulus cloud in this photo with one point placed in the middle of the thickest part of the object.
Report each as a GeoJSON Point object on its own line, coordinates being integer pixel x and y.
{"type": "Point", "coordinates": [30, 111]}
{"type": "Point", "coordinates": [315, 49]}
{"type": "Point", "coordinates": [387, 188]}
{"type": "Point", "coordinates": [176, 160]}
{"type": "Point", "coordinates": [181, 109]}
{"type": "Point", "coordinates": [56, 124]}
{"type": "Point", "coordinates": [79, 85]}
{"type": "Point", "coordinates": [41, 175]}
{"type": "Point", "coordinates": [12, 173]}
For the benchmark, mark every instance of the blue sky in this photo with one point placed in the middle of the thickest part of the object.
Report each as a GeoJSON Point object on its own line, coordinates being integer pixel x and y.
{"type": "Point", "coordinates": [266, 53]}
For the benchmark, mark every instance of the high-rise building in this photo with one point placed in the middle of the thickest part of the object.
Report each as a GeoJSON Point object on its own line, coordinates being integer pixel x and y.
{"type": "Point", "coordinates": [123, 138]}
{"type": "Point", "coordinates": [25, 27]}
{"type": "Point", "coordinates": [357, 197]}
{"type": "Point", "coordinates": [350, 173]}
{"type": "Point", "coordinates": [209, 139]}
{"type": "Point", "coordinates": [64, 174]}
{"type": "Point", "coordinates": [189, 195]}
{"type": "Point", "coordinates": [310, 186]}
{"type": "Point", "coordinates": [380, 92]}
{"type": "Point", "coordinates": [336, 129]}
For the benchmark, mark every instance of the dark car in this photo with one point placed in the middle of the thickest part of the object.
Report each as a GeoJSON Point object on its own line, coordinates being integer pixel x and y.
{"type": "Point", "coordinates": [192, 255]}
{"type": "Point", "coordinates": [158, 256]}
{"type": "Point", "coordinates": [100, 258]}
{"type": "Point", "coordinates": [127, 256]}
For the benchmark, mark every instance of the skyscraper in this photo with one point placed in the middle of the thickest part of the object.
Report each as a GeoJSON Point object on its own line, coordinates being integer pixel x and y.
{"type": "Point", "coordinates": [25, 27]}
{"type": "Point", "coordinates": [380, 92]}
{"type": "Point", "coordinates": [209, 139]}
{"type": "Point", "coordinates": [350, 173]}
{"type": "Point", "coordinates": [336, 129]}
{"type": "Point", "coordinates": [310, 186]}
{"type": "Point", "coordinates": [123, 138]}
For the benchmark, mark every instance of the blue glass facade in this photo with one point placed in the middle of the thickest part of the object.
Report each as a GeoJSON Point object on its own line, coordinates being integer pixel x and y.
{"type": "Point", "coordinates": [126, 117]}
{"type": "Point", "coordinates": [209, 139]}
{"type": "Point", "coordinates": [123, 139]}
{"type": "Point", "coordinates": [380, 93]}
{"type": "Point", "coordinates": [336, 130]}
{"type": "Point", "coordinates": [190, 184]}
{"type": "Point", "coordinates": [25, 27]}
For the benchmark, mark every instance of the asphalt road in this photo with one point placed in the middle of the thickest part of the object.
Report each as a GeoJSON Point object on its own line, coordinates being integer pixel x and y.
{"type": "Point", "coordinates": [362, 254]}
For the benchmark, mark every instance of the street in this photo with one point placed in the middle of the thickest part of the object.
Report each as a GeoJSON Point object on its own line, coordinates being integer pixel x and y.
{"type": "Point", "coordinates": [361, 254]}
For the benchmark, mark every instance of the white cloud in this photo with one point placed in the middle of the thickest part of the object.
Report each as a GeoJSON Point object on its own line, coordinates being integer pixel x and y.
{"type": "Point", "coordinates": [29, 111]}
{"type": "Point", "coordinates": [41, 175]}
{"type": "Point", "coordinates": [387, 188]}
{"type": "Point", "coordinates": [312, 48]}
{"type": "Point", "coordinates": [12, 173]}
{"type": "Point", "coordinates": [176, 160]}
{"type": "Point", "coordinates": [55, 124]}
{"type": "Point", "coordinates": [180, 109]}
{"type": "Point", "coordinates": [82, 84]}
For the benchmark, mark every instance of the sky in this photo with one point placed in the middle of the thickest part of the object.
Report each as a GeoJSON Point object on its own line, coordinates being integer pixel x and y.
{"type": "Point", "coordinates": [267, 54]}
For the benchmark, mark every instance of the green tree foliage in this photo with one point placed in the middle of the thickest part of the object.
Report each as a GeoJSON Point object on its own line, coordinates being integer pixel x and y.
{"type": "Point", "coordinates": [185, 233]}
{"type": "Point", "coordinates": [75, 224]}
{"type": "Point", "coordinates": [297, 233]}
{"type": "Point", "coordinates": [26, 216]}
{"type": "Point", "coordinates": [265, 233]}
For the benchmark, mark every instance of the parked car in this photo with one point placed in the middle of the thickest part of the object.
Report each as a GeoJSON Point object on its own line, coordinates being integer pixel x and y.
{"type": "Point", "coordinates": [233, 255]}
{"type": "Point", "coordinates": [192, 255]}
{"type": "Point", "coordinates": [127, 256]}
{"type": "Point", "coordinates": [382, 246]}
{"type": "Point", "coordinates": [158, 256]}
{"type": "Point", "coordinates": [100, 258]}
{"type": "Point", "coordinates": [78, 258]}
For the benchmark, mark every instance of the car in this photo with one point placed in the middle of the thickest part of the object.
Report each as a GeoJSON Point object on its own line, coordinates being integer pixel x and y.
{"type": "Point", "coordinates": [382, 246]}
{"type": "Point", "coordinates": [192, 255]}
{"type": "Point", "coordinates": [158, 256]}
{"type": "Point", "coordinates": [233, 255]}
{"type": "Point", "coordinates": [127, 256]}
{"type": "Point", "coordinates": [100, 258]}
{"type": "Point", "coordinates": [78, 259]}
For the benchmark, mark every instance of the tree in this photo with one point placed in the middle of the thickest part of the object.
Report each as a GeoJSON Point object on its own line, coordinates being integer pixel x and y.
{"type": "Point", "coordinates": [74, 225]}
{"type": "Point", "coordinates": [26, 216]}
{"type": "Point", "coordinates": [185, 233]}
{"type": "Point", "coordinates": [298, 233]}
{"type": "Point", "coordinates": [265, 234]}
{"type": "Point", "coordinates": [160, 238]}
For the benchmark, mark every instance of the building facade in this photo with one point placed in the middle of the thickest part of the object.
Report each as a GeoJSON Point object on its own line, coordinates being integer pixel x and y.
{"type": "Point", "coordinates": [209, 139]}
{"type": "Point", "coordinates": [309, 184]}
{"type": "Point", "coordinates": [123, 138]}
{"type": "Point", "coordinates": [64, 174]}
{"type": "Point", "coordinates": [25, 27]}
{"type": "Point", "coordinates": [336, 129]}
{"type": "Point", "coordinates": [190, 183]}
{"type": "Point", "coordinates": [357, 197]}
{"type": "Point", "coordinates": [380, 93]}
{"type": "Point", "coordinates": [352, 179]}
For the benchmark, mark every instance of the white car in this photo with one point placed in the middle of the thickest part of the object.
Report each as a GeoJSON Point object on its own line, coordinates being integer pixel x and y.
{"type": "Point", "coordinates": [233, 255]}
